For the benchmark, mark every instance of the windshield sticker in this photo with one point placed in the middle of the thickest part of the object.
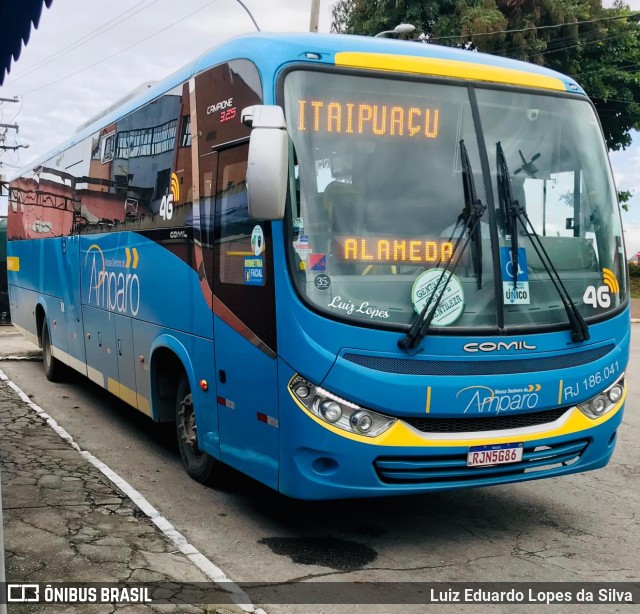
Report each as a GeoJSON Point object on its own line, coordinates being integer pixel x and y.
{"type": "Point", "coordinates": [298, 227]}
{"type": "Point", "coordinates": [518, 294]}
{"type": "Point", "coordinates": [322, 282]}
{"type": "Point", "coordinates": [257, 240]}
{"type": "Point", "coordinates": [452, 303]}
{"type": "Point", "coordinates": [302, 247]}
{"type": "Point", "coordinates": [365, 308]}
{"type": "Point", "coordinates": [601, 296]}
{"type": "Point", "coordinates": [317, 262]}
{"type": "Point", "coordinates": [253, 272]}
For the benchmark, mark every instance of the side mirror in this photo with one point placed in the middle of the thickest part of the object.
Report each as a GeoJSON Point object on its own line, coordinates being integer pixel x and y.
{"type": "Point", "coordinates": [268, 161]}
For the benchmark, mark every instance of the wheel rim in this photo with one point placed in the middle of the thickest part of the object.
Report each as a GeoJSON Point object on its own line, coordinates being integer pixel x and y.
{"type": "Point", "coordinates": [187, 428]}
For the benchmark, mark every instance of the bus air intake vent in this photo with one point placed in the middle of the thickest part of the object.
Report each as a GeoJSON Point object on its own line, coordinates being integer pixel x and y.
{"type": "Point", "coordinates": [452, 469]}
{"type": "Point", "coordinates": [407, 366]}
{"type": "Point", "coordinates": [485, 423]}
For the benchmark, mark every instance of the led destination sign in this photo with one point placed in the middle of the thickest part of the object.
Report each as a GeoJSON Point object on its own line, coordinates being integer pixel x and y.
{"type": "Point", "coordinates": [330, 116]}
{"type": "Point", "coordinates": [376, 250]}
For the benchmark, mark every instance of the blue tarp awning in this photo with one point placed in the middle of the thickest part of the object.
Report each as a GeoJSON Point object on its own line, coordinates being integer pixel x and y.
{"type": "Point", "coordinates": [16, 17]}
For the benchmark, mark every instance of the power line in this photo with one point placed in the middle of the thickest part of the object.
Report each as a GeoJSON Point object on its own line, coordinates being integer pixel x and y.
{"type": "Point", "coordinates": [565, 39]}
{"type": "Point", "coordinates": [580, 44]}
{"type": "Point", "coordinates": [113, 55]}
{"type": "Point", "coordinates": [105, 27]}
{"type": "Point", "coordinates": [560, 25]}
{"type": "Point", "coordinates": [623, 68]}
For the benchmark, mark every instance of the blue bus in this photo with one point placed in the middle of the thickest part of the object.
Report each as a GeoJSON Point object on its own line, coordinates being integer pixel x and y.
{"type": "Point", "coordinates": [345, 266]}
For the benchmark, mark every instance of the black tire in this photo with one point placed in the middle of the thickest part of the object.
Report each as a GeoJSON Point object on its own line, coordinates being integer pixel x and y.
{"type": "Point", "coordinates": [198, 464]}
{"type": "Point", "coordinates": [53, 368]}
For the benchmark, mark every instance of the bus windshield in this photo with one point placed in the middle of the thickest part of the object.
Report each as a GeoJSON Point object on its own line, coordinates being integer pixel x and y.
{"type": "Point", "coordinates": [378, 202]}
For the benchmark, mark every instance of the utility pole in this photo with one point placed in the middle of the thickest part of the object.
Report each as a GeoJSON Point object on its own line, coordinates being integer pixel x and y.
{"type": "Point", "coordinates": [315, 15]}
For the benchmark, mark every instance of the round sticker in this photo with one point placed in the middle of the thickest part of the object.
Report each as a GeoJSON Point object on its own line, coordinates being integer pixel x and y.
{"type": "Point", "coordinates": [257, 240]}
{"type": "Point", "coordinates": [322, 281]}
{"type": "Point", "coordinates": [452, 303]}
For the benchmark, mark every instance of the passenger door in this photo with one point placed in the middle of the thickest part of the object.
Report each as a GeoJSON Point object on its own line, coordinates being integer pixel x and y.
{"type": "Point", "coordinates": [244, 326]}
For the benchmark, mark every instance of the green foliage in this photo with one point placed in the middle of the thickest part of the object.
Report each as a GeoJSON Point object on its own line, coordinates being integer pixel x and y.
{"type": "Point", "coordinates": [634, 270]}
{"type": "Point", "coordinates": [603, 56]}
{"type": "Point", "coordinates": [624, 196]}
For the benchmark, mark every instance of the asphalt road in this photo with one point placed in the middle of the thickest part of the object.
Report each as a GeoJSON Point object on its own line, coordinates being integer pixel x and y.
{"type": "Point", "coordinates": [582, 527]}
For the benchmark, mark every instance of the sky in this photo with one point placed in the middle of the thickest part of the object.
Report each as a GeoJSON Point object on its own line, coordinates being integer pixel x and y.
{"type": "Point", "coordinates": [87, 54]}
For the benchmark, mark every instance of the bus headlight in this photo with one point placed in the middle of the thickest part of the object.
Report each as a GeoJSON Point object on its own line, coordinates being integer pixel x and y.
{"type": "Point", "coordinates": [603, 402]}
{"type": "Point", "coordinates": [337, 411]}
{"type": "Point", "coordinates": [330, 410]}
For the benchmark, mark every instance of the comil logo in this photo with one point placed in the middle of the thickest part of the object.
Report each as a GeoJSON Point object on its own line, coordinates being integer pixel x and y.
{"type": "Point", "coordinates": [489, 346]}
{"type": "Point", "coordinates": [117, 291]}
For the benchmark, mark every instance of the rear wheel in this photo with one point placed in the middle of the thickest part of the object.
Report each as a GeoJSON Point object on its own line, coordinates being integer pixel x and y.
{"type": "Point", "coordinates": [53, 368]}
{"type": "Point", "coordinates": [199, 465]}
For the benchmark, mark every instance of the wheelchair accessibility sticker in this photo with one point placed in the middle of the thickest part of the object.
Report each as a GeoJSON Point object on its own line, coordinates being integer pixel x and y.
{"type": "Point", "coordinates": [517, 294]}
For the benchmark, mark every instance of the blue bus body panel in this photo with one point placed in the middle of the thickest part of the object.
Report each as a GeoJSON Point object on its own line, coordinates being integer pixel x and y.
{"type": "Point", "coordinates": [142, 280]}
{"type": "Point", "coordinates": [72, 303]}
{"type": "Point", "coordinates": [247, 406]}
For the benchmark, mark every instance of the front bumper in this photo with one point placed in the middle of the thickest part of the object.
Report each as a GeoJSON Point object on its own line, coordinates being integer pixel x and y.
{"type": "Point", "coordinates": [318, 461]}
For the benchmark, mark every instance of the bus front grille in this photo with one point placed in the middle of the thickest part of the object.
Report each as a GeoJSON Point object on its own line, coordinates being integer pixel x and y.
{"type": "Point", "coordinates": [452, 468]}
{"type": "Point", "coordinates": [422, 366]}
{"type": "Point", "coordinates": [468, 424]}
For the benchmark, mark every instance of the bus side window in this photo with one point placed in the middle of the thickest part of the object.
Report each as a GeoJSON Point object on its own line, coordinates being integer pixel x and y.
{"type": "Point", "coordinates": [233, 226]}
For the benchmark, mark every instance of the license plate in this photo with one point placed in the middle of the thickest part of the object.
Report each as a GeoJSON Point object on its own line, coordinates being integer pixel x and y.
{"type": "Point", "coordinates": [498, 454]}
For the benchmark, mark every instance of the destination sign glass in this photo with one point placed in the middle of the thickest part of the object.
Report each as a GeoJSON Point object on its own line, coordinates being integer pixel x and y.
{"type": "Point", "coordinates": [387, 250]}
{"type": "Point", "coordinates": [368, 119]}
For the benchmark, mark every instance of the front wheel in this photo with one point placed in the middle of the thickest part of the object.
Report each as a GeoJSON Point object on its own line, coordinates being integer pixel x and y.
{"type": "Point", "coordinates": [199, 465]}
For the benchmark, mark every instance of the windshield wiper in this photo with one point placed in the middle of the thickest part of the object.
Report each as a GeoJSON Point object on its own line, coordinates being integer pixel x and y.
{"type": "Point", "coordinates": [507, 203]}
{"type": "Point", "coordinates": [470, 218]}
{"type": "Point", "coordinates": [471, 201]}
{"type": "Point", "coordinates": [513, 213]}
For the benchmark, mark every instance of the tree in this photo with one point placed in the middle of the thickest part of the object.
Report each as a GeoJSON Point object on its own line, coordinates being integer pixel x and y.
{"type": "Point", "coordinates": [599, 47]}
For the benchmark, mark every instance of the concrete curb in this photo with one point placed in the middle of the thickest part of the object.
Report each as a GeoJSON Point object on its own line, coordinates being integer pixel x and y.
{"type": "Point", "coordinates": [214, 573]}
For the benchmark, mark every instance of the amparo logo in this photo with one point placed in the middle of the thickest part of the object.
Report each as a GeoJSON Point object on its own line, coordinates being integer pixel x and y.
{"type": "Point", "coordinates": [117, 291]}
{"type": "Point", "coordinates": [485, 400]}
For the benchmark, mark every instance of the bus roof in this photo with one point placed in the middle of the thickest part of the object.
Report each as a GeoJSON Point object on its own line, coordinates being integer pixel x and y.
{"type": "Point", "coordinates": [271, 51]}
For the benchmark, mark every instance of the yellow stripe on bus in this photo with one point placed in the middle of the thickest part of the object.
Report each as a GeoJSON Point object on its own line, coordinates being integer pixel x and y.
{"type": "Point", "coordinates": [447, 68]}
{"type": "Point", "coordinates": [129, 396]}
